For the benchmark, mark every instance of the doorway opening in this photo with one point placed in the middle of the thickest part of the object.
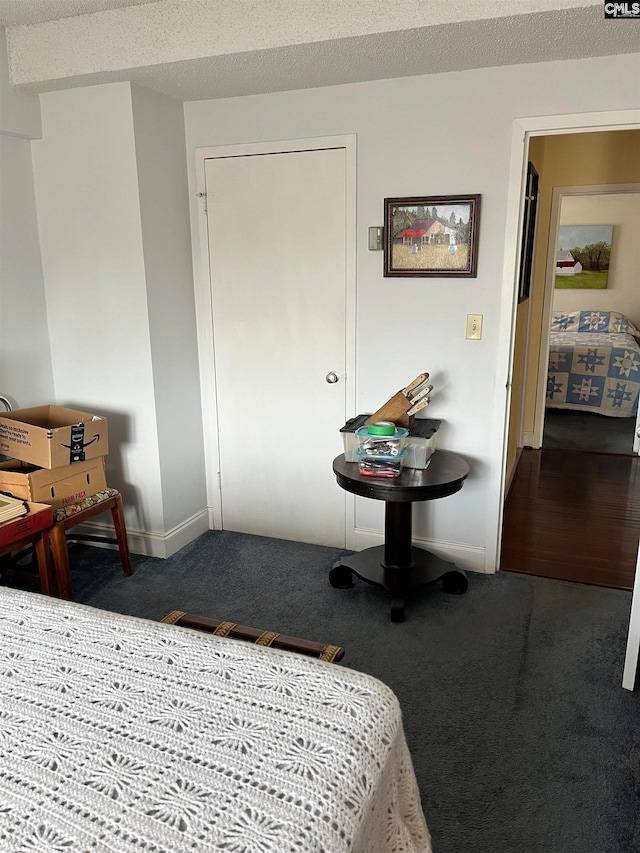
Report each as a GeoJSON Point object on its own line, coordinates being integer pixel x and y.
{"type": "Point", "coordinates": [562, 459]}
{"type": "Point", "coordinates": [589, 360]}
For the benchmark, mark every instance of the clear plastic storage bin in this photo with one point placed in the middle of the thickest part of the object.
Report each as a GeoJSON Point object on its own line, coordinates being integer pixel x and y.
{"type": "Point", "coordinates": [381, 439]}
{"type": "Point", "coordinates": [419, 444]}
{"type": "Point", "coordinates": [380, 464]}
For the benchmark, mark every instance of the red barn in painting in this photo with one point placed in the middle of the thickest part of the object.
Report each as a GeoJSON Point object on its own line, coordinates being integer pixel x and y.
{"type": "Point", "coordinates": [566, 264]}
{"type": "Point", "coordinates": [427, 231]}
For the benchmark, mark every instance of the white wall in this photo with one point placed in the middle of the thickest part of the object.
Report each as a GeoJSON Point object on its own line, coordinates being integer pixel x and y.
{"type": "Point", "coordinates": [623, 286]}
{"type": "Point", "coordinates": [103, 289]}
{"type": "Point", "coordinates": [436, 135]}
{"type": "Point", "coordinates": [89, 216]}
{"type": "Point", "coordinates": [164, 211]}
{"type": "Point", "coordinates": [26, 376]}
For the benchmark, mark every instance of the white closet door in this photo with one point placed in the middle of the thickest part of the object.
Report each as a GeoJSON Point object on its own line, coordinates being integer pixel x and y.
{"type": "Point", "coordinates": [277, 247]}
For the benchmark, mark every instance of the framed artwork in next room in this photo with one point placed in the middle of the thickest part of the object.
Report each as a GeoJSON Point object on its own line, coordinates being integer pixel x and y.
{"type": "Point", "coordinates": [583, 256]}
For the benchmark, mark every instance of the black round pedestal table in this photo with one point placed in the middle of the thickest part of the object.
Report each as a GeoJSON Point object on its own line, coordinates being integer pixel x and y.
{"type": "Point", "coordinates": [398, 566]}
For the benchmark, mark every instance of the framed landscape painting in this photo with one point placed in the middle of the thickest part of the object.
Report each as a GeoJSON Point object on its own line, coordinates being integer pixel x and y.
{"type": "Point", "coordinates": [583, 256]}
{"type": "Point", "coordinates": [431, 236]}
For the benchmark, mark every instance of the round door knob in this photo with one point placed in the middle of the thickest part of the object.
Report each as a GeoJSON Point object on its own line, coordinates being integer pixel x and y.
{"type": "Point", "coordinates": [331, 378]}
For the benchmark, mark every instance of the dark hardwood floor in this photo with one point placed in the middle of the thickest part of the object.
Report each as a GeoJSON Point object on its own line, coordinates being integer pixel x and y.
{"type": "Point", "coordinates": [574, 516]}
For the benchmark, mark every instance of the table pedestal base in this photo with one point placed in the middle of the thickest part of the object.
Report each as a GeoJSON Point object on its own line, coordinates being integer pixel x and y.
{"type": "Point", "coordinates": [398, 566]}
{"type": "Point", "coordinates": [422, 568]}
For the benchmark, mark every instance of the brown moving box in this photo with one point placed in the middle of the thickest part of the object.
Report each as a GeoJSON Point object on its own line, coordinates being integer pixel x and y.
{"type": "Point", "coordinates": [54, 486]}
{"type": "Point", "coordinates": [38, 517]}
{"type": "Point", "coordinates": [52, 436]}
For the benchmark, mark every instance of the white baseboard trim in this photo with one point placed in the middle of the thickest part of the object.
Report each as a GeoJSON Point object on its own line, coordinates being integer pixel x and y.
{"type": "Point", "coordinates": [155, 544]}
{"type": "Point", "coordinates": [468, 557]}
{"type": "Point", "coordinates": [511, 474]}
{"type": "Point", "coordinates": [529, 440]}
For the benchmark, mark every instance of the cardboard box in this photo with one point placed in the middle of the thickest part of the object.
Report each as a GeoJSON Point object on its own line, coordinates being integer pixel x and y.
{"type": "Point", "coordinates": [38, 517]}
{"type": "Point", "coordinates": [52, 436]}
{"type": "Point", "coordinates": [54, 486]}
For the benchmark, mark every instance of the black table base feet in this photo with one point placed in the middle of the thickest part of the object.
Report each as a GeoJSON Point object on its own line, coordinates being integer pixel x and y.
{"type": "Point", "coordinates": [455, 583]}
{"type": "Point", "coordinates": [397, 609]}
{"type": "Point", "coordinates": [340, 576]}
{"type": "Point", "coordinates": [425, 568]}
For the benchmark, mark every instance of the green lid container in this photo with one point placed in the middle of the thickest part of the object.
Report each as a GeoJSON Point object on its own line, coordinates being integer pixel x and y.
{"type": "Point", "coordinates": [381, 428]}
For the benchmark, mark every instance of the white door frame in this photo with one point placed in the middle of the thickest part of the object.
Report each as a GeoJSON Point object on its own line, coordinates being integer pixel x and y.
{"type": "Point", "coordinates": [630, 672]}
{"type": "Point", "coordinates": [523, 130]}
{"type": "Point", "coordinates": [204, 302]}
{"type": "Point", "coordinates": [534, 439]}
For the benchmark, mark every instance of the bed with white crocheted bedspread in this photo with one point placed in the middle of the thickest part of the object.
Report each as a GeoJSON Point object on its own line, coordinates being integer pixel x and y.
{"type": "Point", "coordinates": [121, 734]}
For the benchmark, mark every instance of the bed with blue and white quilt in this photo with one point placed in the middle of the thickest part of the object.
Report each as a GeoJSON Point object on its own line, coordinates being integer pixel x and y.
{"type": "Point", "coordinates": [594, 363]}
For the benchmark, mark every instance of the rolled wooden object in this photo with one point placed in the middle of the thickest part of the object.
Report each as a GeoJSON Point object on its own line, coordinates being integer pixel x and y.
{"type": "Point", "coordinates": [323, 651]}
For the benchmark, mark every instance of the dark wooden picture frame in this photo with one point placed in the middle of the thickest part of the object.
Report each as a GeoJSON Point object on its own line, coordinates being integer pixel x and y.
{"type": "Point", "coordinates": [529, 219]}
{"type": "Point", "coordinates": [431, 236]}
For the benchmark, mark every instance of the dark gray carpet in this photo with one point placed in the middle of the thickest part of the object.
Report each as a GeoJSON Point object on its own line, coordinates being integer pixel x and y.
{"type": "Point", "coordinates": [522, 738]}
{"type": "Point", "coordinates": [587, 431]}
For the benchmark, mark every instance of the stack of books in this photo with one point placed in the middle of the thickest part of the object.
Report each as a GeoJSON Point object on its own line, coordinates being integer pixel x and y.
{"type": "Point", "coordinates": [11, 508]}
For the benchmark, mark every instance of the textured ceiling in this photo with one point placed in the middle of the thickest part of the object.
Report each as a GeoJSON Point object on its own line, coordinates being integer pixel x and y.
{"type": "Point", "coordinates": [14, 12]}
{"type": "Point", "coordinates": [36, 11]}
{"type": "Point", "coordinates": [198, 49]}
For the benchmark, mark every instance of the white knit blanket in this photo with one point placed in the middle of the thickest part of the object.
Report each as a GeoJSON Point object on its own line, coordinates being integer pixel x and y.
{"type": "Point", "coordinates": [120, 734]}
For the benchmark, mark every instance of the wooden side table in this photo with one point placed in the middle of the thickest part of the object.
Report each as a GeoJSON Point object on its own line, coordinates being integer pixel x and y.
{"type": "Point", "coordinates": [398, 566]}
{"type": "Point", "coordinates": [40, 542]}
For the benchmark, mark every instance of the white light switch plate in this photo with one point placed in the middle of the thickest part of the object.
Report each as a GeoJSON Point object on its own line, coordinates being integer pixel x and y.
{"type": "Point", "coordinates": [474, 327]}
